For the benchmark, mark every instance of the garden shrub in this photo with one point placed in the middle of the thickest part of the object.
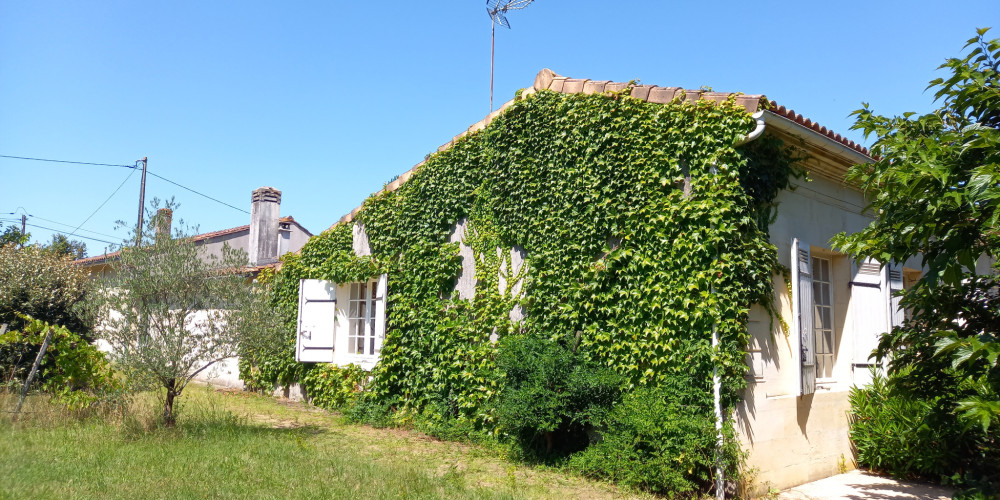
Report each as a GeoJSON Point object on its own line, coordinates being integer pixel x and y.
{"type": "Point", "coordinates": [334, 387]}
{"type": "Point", "coordinates": [73, 371]}
{"type": "Point", "coordinates": [41, 285]}
{"type": "Point", "coordinates": [552, 398]}
{"type": "Point", "coordinates": [654, 441]}
{"type": "Point", "coordinates": [909, 434]}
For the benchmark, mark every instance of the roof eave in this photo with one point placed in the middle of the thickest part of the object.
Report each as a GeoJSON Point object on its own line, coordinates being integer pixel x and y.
{"type": "Point", "coordinates": [816, 139]}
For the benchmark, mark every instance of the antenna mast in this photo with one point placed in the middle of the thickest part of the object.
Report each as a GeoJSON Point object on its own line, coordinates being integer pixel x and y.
{"type": "Point", "coordinates": [497, 9]}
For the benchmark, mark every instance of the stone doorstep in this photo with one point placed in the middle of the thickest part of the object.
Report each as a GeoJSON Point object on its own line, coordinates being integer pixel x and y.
{"type": "Point", "coordinates": [864, 485]}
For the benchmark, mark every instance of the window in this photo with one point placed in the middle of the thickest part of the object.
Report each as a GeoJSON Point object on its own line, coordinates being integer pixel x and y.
{"type": "Point", "coordinates": [361, 319]}
{"type": "Point", "coordinates": [341, 323]}
{"type": "Point", "coordinates": [825, 334]}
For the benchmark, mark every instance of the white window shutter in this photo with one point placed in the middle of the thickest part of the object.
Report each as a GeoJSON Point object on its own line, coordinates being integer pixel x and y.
{"type": "Point", "coordinates": [380, 298]}
{"type": "Point", "coordinates": [317, 323]}
{"type": "Point", "coordinates": [868, 304]}
{"type": "Point", "coordinates": [802, 280]}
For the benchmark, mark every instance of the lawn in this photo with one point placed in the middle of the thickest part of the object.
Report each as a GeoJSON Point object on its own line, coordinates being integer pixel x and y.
{"type": "Point", "coordinates": [240, 445]}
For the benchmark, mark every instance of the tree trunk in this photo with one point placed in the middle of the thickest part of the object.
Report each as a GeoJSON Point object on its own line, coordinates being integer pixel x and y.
{"type": "Point", "coordinates": [168, 404]}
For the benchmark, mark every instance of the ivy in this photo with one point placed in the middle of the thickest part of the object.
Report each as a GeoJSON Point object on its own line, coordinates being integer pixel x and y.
{"type": "Point", "coordinates": [642, 225]}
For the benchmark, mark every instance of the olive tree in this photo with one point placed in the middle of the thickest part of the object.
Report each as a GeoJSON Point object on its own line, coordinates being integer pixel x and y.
{"type": "Point", "coordinates": [170, 310]}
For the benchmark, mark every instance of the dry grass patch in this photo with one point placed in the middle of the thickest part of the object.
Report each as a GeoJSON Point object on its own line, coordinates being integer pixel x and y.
{"type": "Point", "coordinates": [241, 445]}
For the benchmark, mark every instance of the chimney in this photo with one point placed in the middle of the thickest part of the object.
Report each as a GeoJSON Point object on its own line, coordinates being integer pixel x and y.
{"type": "Point", "coordinates": [264, 204]}
{"type": "Point", "coordinates": [164, 217]}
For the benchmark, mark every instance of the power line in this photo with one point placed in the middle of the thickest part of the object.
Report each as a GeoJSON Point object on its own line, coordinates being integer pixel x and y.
{"type": "Point", "coordinates": [11, 219]}
{"type": "Point", "coordinates": [132, 167]}
{"type": "Point", "coordinates": [71, 225]}
{"type": "Point", "coordinates": [196, 192]}
{"type": "Point", "coordinates": [127, 177]}
{"type": "Point", "coordinates": [67, 161]}
{"type": "Point", "coordinates": [78, 236]}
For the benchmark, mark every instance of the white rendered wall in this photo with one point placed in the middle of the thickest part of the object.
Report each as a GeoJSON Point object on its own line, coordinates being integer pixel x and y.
{"type": "Point", "coordinates": [794, 439]}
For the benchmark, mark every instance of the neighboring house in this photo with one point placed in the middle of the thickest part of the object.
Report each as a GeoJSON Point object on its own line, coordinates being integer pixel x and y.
{"type": "Point", "coordinates": [265, 239]}
{"type": "Point", "coordinates": [794, 414]}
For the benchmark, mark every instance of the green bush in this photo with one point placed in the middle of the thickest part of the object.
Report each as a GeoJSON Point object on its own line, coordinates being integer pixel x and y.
{"type": "Point", "coordinates": [908, 434]}
{"type": "Point", "coordinates": [333, 387]}
{"type": "Point", "coordinates": [43, 286]}
{"type": "Point", "coordinates": [551, 397]}
{"type": "Point", "coordinates": [73, 370]}
{"type": "Point", "coordinates": [653, 441]}
{"type": "Point", "coordinates": [369, 410]}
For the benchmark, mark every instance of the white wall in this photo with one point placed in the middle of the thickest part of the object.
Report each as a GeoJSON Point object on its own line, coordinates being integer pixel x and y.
{"type": "Point", "coordinates": [794, 439]}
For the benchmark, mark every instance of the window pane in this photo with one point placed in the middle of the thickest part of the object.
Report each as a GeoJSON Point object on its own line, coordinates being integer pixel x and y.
{"type": "Point", "coordinates": [374, 289]}
{"type": "Point", "coordinates": [354, 291]}
{"type": "Point", "coordinates": [364, 289]}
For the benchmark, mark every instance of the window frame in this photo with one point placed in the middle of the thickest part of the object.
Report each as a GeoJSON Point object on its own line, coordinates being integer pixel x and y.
{"type": "Point", "coordinates": [361, 316]}
{"type": "Point", "coordinates": [826, 360]}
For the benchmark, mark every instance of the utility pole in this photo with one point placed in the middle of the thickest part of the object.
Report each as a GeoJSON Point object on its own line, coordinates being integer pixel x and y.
{"type": "Point", "coordinates": [142, 202]}
{"type": "Point", "coordinates": [24, 223]}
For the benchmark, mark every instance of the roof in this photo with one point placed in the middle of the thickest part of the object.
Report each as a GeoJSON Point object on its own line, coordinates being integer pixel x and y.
{"type": "Point", "coordinates": [549, 80]}
{"type": "Point", "coordinates": [196, 238]}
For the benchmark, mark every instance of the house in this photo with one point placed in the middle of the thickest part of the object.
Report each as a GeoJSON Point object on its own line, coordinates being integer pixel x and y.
{"type": "Point", "coordinates": [793, 416]}
{"type": "Point", "coordinates": [265, 239]}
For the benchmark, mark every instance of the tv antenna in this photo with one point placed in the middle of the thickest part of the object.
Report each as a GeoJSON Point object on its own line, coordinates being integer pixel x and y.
{"type": "Point", "coordinates": [497, 9]}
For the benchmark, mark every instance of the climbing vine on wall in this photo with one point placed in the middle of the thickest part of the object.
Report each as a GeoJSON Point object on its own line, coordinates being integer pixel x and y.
{"type": "Point", "coordinates": [642, 226]}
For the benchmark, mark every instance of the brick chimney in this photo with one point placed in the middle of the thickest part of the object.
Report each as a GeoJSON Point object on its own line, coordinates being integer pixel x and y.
{"type": "Point", "coordinates": [164, 217]}
{"type": "Point", "coordinates": [264, 204]}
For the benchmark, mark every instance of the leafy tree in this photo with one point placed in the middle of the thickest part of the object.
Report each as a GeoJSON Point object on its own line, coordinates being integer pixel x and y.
{"type": "Point", "coordinates": [935, 186]}
{"type": "Point", "coordinates": [62, 246]}
{"type": "Point", "coordinates": [43, 286]}
{"type": "Point", "coordinates": [13, 235]}
{"type": "Point", "coordinates": [170, 311]}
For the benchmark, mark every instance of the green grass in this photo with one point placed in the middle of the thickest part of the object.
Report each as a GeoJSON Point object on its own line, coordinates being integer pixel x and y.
{"type": "Point", "coordinates": [238, 445]}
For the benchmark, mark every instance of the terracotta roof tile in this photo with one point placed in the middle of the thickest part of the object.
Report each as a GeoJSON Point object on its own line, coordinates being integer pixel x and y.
{"type": "Point", "coordinates": [573, 86]}
{"type": "Point", "coordinates": [798, 118]}
{"type": "Point", "coordinates": [641, 91]}
{"type": "Point", "coordinates": [615, 86]}
{"type": "Point", "coordinates": [662, 94]}
{"type": "Point", "coordinates": [546, 79]}
{"type": "Point", "coordinates": [595, 86]}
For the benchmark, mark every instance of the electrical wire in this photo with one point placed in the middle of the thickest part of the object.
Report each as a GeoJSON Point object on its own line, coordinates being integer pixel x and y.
{"type": "Point", "coordinates": [70, 225]}
{"type": "Point", "coordinates": [133, 168]}
{"type": "Point", "coordinates": [67, 161]}
{"type": "Point", "coordinates": [11, 219]}
{"type": "Point", "coordinates": [127, 177]}
{"type": "Point", "coordinates": [78, 236]}
{"type": "Point", "coordinates": [195, 192]}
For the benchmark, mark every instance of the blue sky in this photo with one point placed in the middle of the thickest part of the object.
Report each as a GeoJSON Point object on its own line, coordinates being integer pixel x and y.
{"type": "Point", "coordinates": [327, 101]}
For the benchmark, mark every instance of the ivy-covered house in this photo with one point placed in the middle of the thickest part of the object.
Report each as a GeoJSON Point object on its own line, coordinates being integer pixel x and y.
{"type": "Point", "coordinates": [659, 233]}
